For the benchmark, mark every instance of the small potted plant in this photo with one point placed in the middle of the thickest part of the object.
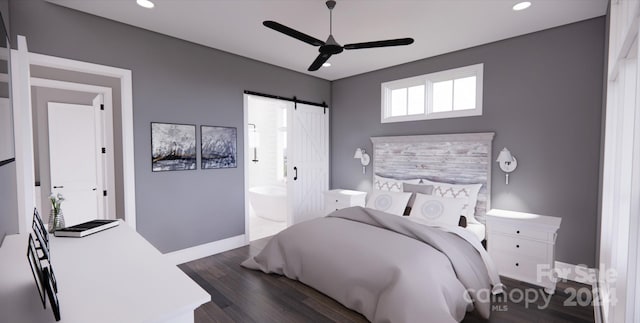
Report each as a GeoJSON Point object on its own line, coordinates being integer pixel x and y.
{"type": "Point", "coordinates": [56, 218]}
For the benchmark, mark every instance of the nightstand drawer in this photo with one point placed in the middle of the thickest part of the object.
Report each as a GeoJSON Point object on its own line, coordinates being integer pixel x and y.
{"type": "Point", "coordinates": [333, 206]}
{"type": "Point", "coordinates": [533, 250]}
{"type": "Point", "coordinates": [520, 268]}
{"type": "Point", "coordinates": [340, 199]}
{"type": "Point", "coordinates": [522, 231]}
{"type": "Point", "coordinates": [337, 204]}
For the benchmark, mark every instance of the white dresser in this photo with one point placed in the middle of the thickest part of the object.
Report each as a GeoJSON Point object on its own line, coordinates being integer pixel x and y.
{"type": "Point", "coordinates": [522, 245]}
{"type": "Point", "coordinates": [339, 199]}
{"type": "Point", "coordinates": [111, 276]}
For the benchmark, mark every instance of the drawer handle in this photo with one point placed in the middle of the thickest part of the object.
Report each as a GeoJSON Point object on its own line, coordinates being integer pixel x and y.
{"type": "Point", "coordinates": [517, 264]}
{"type": "Point", "coordinates": [517, 246]}
{"type": "Point", "coordinates": [518, 232]}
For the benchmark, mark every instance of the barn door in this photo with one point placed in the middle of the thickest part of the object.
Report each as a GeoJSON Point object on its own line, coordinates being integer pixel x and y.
{"type": "Point", "coordinates": [308, 164]}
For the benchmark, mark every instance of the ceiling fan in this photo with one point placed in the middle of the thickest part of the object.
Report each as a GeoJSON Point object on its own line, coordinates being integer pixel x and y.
{"type": "Point", "coordinates": [331, 47]}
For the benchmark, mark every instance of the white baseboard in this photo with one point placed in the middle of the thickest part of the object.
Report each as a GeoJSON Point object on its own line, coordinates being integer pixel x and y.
{"type": "Point", "coordinates": [205, 250]}
{"type": "Point", "coordinates": [597, 310]}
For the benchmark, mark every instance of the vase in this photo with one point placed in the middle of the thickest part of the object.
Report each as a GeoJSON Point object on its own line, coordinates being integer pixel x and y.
{"type": "Point", "coordinates": [56, 221]}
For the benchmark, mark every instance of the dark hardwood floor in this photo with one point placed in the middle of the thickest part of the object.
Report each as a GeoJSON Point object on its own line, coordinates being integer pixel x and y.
{"type": "Point", "coordinates": [241, 295]}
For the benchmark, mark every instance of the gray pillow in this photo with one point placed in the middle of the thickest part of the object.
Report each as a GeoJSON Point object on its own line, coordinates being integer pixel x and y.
{"type": "Point", "coordinates": [416, 188]}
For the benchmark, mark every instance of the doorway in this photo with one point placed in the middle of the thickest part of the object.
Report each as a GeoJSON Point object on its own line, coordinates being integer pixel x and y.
{"type": "Point", "coordinates": [73, 149]}
{"type": "Point", "coordinates": [286, 163]}
{"type": "Point", "coordinates": [267, 166]}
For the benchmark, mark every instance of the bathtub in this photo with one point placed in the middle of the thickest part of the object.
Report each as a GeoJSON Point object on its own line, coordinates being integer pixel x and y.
{"type": "Point", "coordinates": [269, 202]}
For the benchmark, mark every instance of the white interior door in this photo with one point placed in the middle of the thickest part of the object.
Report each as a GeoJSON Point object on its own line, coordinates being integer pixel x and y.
{"type": "Point", "coordinates": [75, 160]}
{"type": "Point", "coordinates": [308, 161]}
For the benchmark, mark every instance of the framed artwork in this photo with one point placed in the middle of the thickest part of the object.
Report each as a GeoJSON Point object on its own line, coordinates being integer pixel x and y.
{"type": "Point", "coordinates": [218, 147]}
{"type": "Point", "coordinates": [36, 269]}
{"type": "Point", "coordinates": [173, 147]}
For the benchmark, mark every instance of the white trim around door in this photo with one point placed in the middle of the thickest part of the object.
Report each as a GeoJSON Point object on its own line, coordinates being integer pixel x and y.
{"type": "Point", "coordinates": [24, 130]}
{"type": "Point", "coordinates": [23, 133]}
{"type": "Point", "coordinates": [245, 131]}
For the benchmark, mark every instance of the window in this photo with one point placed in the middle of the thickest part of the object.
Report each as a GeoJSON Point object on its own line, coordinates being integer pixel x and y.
{"type": "Point", "coordinates": [447, 94]}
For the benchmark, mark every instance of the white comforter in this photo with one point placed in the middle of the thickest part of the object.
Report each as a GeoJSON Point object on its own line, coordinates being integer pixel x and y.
{"type": "Point", "coordinates": [386, 267]}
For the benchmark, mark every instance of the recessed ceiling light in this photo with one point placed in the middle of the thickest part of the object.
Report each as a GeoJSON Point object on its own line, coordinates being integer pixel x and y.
{"type": "Point", "coordinates": [521, 5]}
{"type": "Point", "coordinates": [326, 64]}
{"type": "Point", "coordinates": [145, 3]}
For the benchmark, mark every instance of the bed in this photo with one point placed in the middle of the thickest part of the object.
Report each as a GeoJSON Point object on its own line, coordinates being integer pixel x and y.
{"type": "Point", "coordinates": [392, 268]}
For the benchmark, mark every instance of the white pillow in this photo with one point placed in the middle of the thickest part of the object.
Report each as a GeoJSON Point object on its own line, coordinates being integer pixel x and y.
{"type": "Point", "coordinates": [386, 184]}
{"type": "Point", "coordinates": [437, 211]}
{"type": "Point", "coordinates": [389, 202]}
{"type": "Point", "coordinates": [467, 192]}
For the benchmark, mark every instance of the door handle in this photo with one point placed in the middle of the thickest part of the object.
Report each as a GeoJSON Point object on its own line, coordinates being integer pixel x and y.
{"type": "Point", "coordinates": [58, 186]}
{"type": "Point", "coordinates": [295, 176]}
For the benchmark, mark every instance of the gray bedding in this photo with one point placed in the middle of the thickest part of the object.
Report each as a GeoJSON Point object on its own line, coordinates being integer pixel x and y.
{"type": "Point", "coordinates": [384, 266]}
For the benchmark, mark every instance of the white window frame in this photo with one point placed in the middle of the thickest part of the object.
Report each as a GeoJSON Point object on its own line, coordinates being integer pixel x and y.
{"type": "Point", "coordinates": [427, 80]}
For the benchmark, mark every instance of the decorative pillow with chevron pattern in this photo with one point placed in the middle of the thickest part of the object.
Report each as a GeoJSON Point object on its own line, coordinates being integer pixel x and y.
{"type": "Point", "coordinates": [386, 184]}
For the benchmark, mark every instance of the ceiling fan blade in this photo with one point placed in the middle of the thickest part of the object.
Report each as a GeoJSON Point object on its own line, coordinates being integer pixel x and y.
{"type": "Point", "coordinates": [292, 33]}
{"type": "Point", "coordinates": [323, 57]}
{"type": "Point", "coordinates": [381, 43]}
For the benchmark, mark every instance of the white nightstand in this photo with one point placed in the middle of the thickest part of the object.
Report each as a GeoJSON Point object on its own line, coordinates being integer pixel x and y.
{"type": "Point", "coordinates": [339, 199]}
{"type": "Point", "coordinates": [520, 243]}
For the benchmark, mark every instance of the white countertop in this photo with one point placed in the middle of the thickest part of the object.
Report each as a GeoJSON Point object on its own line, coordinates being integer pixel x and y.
{"type": "Point", "coordinates": [111, 276]}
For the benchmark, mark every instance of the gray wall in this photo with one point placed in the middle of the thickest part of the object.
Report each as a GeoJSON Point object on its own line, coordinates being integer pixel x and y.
{"type": "Point", "coordinates": [8, 200]}
{"type": "Point", "coordinates": [173, 81]}
{"type": "Point", "coordinates": [4, 8]}
{"type": "Point", "coordinates": [542, 98]}
{"type": "Point", "coordinates": [8, 191]}
{"type": "Point", "coordinates": [39, 99]}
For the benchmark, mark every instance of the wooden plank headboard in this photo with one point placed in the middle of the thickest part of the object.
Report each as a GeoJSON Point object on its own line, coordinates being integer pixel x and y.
{"type": "Point", "coordinates": [453, 158]}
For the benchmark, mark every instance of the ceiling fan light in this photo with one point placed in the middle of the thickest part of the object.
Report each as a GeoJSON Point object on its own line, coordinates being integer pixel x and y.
{"type": "Point", "coordinates": [145, 4]}
{"type": "Point", "coordinates": [521, 5]}
{"type": "Point", "coordinates": [326, 64]}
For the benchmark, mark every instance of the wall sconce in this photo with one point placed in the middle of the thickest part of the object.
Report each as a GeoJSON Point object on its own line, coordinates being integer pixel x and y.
{"type": "Point", "coordinates": [364, 158]}
{"type": "Point", "coordinates": [507, 162]}
{"type": "Point", "coordinates": [254, 141]}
